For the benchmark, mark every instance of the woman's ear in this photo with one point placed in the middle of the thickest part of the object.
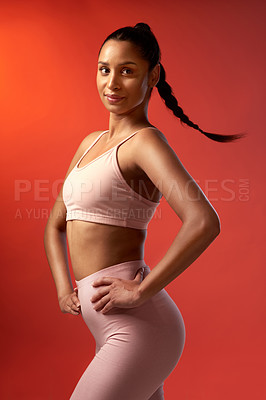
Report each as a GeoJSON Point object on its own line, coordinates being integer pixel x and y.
{"type": "Point", "coordinates": [154, 75]}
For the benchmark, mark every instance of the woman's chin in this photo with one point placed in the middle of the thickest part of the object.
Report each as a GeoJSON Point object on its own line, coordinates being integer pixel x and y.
{"type": "Point", "coordinates": [115, 109]}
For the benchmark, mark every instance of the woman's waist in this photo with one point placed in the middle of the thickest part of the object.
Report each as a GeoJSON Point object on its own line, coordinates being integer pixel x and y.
{"type": "Point", "coordinates": [124, 270]}
{"type": "Point", "coordinates": [97, 256]}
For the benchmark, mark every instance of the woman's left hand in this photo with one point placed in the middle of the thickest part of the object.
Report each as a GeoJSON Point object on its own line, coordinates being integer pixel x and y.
{"type": "Point", "coordinates": [117, 292]}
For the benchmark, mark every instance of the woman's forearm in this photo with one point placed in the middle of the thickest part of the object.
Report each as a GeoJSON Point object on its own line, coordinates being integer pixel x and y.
{"type": "Point", "coordinates": [55, 245]}
{"type": "Point", "coordinates": [192, 239]}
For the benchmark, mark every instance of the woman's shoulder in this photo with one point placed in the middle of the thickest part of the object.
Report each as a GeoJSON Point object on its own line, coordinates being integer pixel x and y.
{"type": "Point", "coordinates": [85, 143]}
{"type": "Point", "coordinates": [89, 139]}
{"type": "Point", "coordinates": [152, 144]}
{"type": "Point", "coordinates": [150, 134]}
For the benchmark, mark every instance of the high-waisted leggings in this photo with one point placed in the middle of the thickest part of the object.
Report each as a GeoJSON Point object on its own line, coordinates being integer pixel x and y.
{"type": "Point", "coordinates": [136, 348]}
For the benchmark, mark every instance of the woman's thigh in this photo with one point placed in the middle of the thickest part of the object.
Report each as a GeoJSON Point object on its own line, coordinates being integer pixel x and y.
{"type": "Point", "coordinates": [109, 377]}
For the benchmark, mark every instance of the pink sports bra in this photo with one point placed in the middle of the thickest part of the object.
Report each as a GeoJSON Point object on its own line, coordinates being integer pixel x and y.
{"type": "Point", "coordinates": [98, 192]}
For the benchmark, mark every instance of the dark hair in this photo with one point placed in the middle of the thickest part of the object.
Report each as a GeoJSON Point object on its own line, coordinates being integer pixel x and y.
{"type": "Point", "coordinates": [143, 38]}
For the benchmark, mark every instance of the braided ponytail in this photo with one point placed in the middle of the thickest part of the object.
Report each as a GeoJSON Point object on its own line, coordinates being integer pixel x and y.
{"type": "Point", "coordinates": [142, 36]}
{"type": "Point", "coordinates": [166, 93]}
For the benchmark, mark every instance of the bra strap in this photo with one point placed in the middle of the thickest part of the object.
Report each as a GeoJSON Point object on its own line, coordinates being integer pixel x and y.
{"type": "Point", "coordinates": [132, 134]}
{"type": "Point", "coordinates": [92, 144]}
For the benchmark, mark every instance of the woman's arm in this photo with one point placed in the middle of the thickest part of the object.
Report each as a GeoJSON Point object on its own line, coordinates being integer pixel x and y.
{"type": "Point", "coordinates": [190, 242]}
{"type": "Point", "coordinates": [55, 243]}
{"type": "Point", "coordinates": [55, 246]}
{"type": "Point", "coordinates": [201, 223]}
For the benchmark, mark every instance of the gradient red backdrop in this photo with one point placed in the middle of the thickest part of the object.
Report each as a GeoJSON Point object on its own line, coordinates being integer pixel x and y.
{"type": "Point", "coordinates": [213, 54]}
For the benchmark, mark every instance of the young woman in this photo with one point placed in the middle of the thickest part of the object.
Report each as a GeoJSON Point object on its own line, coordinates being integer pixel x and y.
{"type": "Point", "coordinates": [110, 193]}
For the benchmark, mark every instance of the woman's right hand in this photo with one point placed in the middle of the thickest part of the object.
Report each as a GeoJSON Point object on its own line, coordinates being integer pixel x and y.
{"type": "Point", "coordinates": [70, 303]}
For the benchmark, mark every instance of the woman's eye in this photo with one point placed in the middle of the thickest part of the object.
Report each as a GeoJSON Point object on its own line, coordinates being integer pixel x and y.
{"type": "Point", "coordinates": [128, 71]}
{"type": "Point", "coordinates": [102, 69]}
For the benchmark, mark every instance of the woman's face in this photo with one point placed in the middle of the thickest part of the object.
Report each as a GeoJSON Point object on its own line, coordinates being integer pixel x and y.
{"type": "Point", "coordinates": [124, 74]}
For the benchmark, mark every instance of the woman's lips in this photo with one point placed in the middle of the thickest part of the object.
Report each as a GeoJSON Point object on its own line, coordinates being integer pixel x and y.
{"type": "Point", "coordinates": [114, 99]}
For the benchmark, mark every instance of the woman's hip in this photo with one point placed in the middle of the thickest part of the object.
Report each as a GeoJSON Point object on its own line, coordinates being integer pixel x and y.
{"type": "Point", "coordinates": [157, 321]}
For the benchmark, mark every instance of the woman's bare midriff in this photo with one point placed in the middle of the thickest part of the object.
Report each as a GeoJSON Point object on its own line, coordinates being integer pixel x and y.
{"type": "Point", "coordinates": [94, 246]}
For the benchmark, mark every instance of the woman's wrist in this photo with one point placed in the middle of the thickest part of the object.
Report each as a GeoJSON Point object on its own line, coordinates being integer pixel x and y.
{"type": "Point", "coordinates": [141, 296]}
{"type": "Point", "coordinates": [61, 295]}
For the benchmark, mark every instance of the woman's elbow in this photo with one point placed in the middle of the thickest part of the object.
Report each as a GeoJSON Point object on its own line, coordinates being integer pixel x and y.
{"type": "Point", "coordinates": [212, 224]}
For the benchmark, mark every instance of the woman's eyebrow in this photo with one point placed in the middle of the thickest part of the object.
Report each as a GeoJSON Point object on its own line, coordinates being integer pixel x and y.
{"type": "Point", "coordinates": [125, 62]}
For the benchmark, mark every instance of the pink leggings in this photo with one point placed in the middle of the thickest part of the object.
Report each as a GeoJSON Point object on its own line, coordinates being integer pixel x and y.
{"type": "Point", "coordinates": [136, 348]}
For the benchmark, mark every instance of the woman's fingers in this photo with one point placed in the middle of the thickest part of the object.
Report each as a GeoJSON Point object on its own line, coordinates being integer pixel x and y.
{"type": "Point", "coordinates": [70, 304]}
{"type": "Point", "coordinates": [75, 300]}
{"type": "Point", "coordinates": [72, 311]}
{"type": "Point", "coordinates": [74, 307]}
{"type": "Point", "coordinates": [99, 294]}
{"type": "Point", "coordinates": [115, 292]}
{"type": "Point", "coordinates": [104, 280]}
{"type": "Point", "coordinates": [101, 303]}
{"type": "Point", "coordinates": [75, 304]}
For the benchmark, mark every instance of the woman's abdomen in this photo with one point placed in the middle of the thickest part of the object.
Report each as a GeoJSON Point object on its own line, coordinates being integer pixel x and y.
{"type": "Point", "coordinates": [95, 246]}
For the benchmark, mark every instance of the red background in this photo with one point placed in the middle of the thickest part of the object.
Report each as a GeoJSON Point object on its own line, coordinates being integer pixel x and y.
{"type": "Point", "coordinates": [213, 54]}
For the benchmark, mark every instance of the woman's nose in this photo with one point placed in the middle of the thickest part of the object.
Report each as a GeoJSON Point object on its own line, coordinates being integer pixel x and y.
{"type": "Point", "coordinates": [112, 82]}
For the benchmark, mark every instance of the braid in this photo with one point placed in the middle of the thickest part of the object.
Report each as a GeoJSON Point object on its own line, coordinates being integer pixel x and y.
{"type": "Point", "coordinates": [165, 91]}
